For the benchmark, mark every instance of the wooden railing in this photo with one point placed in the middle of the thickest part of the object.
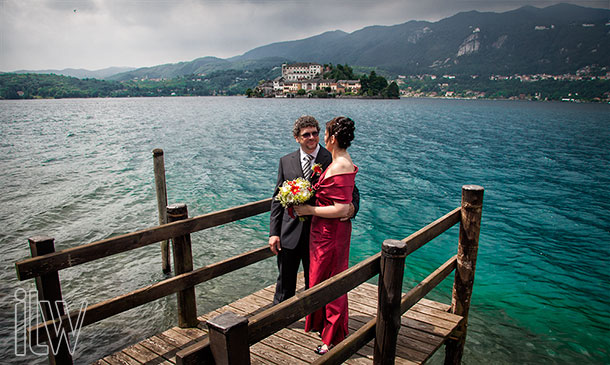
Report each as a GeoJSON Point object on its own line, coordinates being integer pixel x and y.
{"type": "Point", "coordinates": [45, 264]}
{"type": "Point", "coordinates": [229, 333]}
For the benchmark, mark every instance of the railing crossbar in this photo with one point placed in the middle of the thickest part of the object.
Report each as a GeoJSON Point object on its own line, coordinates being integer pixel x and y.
{"type": "Point", "coordinates": [36, 266]}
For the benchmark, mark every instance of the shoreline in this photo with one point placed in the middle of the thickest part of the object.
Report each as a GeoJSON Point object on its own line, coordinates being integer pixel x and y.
{"type": "Point", "coordinates": [351, 97]}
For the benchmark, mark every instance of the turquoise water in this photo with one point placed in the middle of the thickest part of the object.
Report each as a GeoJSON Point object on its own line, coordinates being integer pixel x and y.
{"type": "Point", "coordinates": [81, 170]}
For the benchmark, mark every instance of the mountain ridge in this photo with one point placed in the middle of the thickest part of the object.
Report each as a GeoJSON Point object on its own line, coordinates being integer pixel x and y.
{"type": "Point", "coordinates": [526, 40]}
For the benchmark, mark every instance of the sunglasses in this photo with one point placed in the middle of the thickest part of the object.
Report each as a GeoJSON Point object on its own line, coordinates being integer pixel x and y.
{"type": "Point", "coordinates": [308, 134]}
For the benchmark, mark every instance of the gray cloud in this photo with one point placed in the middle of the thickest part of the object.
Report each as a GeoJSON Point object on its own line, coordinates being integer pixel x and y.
{"type": "Point", "coordinates": [95, 34]}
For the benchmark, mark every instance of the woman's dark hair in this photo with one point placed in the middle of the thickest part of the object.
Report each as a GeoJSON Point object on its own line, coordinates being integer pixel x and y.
{"type": "Point", "coordinates": [343, 130]}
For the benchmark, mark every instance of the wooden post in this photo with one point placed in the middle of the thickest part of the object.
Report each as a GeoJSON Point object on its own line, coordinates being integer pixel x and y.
{"type": "Point", "coordinates": [468, 244]}
{"type": "Point", "coordinates": [228, 335]}
{"type": "Point", "coordinates": [160, 187]}
{"type": "Point", "coordinates": [183, 262]}
{"type": "Point", "coordinates": [393, 254]}
{"type": "Point", "coordinates": [49, 289]}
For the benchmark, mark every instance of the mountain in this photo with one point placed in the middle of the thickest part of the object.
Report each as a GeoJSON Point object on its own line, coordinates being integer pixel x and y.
{"type": "Point", "coordinates": [200, 66]}
{"type": "Point", "coordinates": [558, 39]}
{"type": "Point", "coordinates": [81, 73]}
{"type": "Point", "coordinates": [555, 40]}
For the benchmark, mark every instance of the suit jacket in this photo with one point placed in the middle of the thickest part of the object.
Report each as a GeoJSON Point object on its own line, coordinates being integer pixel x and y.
{"type": "Point", "coordinates": [281, 224]}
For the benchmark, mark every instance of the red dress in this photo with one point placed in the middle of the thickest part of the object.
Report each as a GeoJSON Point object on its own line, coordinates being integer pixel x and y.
{"type": "Point", "coordinates": [329, 253]}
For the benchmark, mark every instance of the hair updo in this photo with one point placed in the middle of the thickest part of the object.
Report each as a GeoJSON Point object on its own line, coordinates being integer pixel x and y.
{"type": "Point", "coordinates": [343, 130]}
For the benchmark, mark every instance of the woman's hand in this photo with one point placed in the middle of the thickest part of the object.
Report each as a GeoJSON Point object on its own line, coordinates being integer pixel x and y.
{"type": "Point", "coordinates": [303, 210]}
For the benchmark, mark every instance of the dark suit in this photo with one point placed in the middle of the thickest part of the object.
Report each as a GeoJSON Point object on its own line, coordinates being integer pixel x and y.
{"type": "Point", "coordinates": [294, 234]}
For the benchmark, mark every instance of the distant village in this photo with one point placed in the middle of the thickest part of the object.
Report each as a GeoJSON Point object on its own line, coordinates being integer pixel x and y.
{"type": "Point", "coordinates": [301, 78]}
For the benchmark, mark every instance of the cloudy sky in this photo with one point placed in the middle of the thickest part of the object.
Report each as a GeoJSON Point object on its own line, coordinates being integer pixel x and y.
{"type": "Point", "coordinates": [95, 34]}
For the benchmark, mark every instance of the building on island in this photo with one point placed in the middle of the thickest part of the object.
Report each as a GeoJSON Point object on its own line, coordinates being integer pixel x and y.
{"type": "Point", "coordinates": [301, 71]}
{"type": "Point", "coordinates": [306, 77]}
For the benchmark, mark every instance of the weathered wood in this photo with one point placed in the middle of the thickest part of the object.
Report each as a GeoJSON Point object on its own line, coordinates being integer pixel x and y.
{"type": "Point", "coordinates": [228, 335]}
{"type": "Point", "coordinates": [292, 345]}
{"type": "Point", "coordinates": [161, 190]}
{"type": "Point", "coordinates": [393, 254]}
{"type": "Point", "coordinates": [122, 303]}
{"type": "Point", "coordinates": [279, 316]}
{"type": "Point", "coordinates": [49, 289]}
{"type": "Point", "coordinates": [432, 230]}
{"type": "Point", "coordinates": [36, 266]}
{"type": "Point", "coordinates": [183, 263]}
{"type": "Point", "coordinates": [468, 244]}
{"type": "Point", "coordinates": [199, 353]}
{"type": "Point", "coordinates": [142, 354]}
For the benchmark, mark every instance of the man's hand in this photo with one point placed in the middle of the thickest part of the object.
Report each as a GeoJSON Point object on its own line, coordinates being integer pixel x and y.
{"type": "Point", "coordinates": [350, 213]}
{"type": "Point", "coordinates": [274, 244]}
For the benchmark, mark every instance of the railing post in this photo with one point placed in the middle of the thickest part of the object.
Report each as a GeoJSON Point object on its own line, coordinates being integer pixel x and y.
{"type": "Point", "coordinates": [228, 335]}
{"type": "Point", "coordinates": [161, 189]}
{"type": "Point", "coordinates": [49, 289]}
{"type": "Point", "coordinates": [183, 262]}
{"type": "Point", "coordinates": [468, 244]}
{"type": "Point", "coordinates": [393, 254]}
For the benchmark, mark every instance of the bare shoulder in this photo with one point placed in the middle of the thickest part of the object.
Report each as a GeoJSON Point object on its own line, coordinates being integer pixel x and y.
{"type": "Point", "coordinates": [342, 165]}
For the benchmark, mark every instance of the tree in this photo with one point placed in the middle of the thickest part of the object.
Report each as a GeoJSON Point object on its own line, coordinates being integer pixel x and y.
{"type": "Point", "coordinates": [392, 91]}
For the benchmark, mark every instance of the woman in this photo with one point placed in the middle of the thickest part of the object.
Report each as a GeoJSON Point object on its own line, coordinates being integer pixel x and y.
{"type": "Point", "coordinates": [330, 237]}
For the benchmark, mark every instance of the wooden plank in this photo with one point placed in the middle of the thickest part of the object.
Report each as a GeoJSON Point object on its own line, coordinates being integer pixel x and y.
{"type": "Point", "coordinates": [174, 338]}
{"type": "Point", "coordinates": [143, 355]}
{"type": "Point", "coordinates": [432, 230]}
{"type": "Point", "coordinates": [191, 333]}
{"type": "Point", "coordinates": [161, 348]}
{"type": "Point", "coordinates": [273, 355]}
{"type": "Point", "coordinates": [100, 362]}
{"type": "Point", "coordinates": [438, 305]}
{"type": "Point", "coordinates": [366, 354]}
{"type": "Point", "coordinates": [446, 316]}
{"type": "Point", "coordinates": [122, 303]}
{"type": "Point", "coordinates": [120, 358]}
{"type": "Point", "coordinates": [33, 267]}
{"type": "Point", "coordinates": [292, 348]}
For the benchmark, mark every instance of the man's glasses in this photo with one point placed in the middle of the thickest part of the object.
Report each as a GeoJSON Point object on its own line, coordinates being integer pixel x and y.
{"type": "Point", "coordinates": [308, 134]}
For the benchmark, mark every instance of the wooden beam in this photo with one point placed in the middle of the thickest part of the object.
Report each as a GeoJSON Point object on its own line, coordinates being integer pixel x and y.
{"type": "Point", "coordinates": [432, 230]}
{"type": "Point", "coordinates": [468, 245]}
{"type": "Point", "coordinates": [36, 266]}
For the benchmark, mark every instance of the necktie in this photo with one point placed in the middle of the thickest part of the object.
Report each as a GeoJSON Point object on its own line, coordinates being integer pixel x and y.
{"type": "Point", "coordinates": [307, 167]}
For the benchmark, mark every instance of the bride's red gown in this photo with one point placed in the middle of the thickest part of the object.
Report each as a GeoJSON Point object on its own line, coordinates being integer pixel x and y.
{"type": "Point", "coordinates": [329, 253]}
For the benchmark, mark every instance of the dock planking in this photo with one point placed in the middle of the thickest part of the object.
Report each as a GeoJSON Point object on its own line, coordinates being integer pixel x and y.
{"type": "Point", "coordinates": [424, 328]}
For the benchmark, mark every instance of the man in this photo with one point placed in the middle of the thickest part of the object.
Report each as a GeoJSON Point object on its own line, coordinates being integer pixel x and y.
{"type": "Point", "coordinates": [288, 237]}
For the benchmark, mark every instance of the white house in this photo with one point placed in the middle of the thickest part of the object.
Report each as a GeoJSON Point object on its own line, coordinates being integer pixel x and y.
{"type": "Point", "coordinates": [301, 71]}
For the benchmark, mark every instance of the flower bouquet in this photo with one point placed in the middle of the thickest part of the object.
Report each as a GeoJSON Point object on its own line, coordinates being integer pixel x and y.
{"type": "Point", "coordinates": [294, 192]}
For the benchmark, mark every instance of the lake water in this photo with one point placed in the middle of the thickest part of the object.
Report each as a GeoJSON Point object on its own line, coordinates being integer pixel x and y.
{"type": "Point", "coordinates": [81, 170]}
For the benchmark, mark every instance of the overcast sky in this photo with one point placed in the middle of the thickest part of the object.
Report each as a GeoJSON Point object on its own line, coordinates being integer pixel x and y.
{"type": "Point", "coordinates": [95, 34]}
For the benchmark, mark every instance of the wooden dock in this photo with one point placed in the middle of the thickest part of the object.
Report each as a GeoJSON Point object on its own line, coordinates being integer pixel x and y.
{"type": "Point", "coordinates": [424, 328]}
{"type": "Point", "coordinates": [409, 328]}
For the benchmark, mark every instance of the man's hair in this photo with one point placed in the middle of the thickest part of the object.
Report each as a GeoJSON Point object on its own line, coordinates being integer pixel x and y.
{"type": "Point", "coordinates": [304, 122]}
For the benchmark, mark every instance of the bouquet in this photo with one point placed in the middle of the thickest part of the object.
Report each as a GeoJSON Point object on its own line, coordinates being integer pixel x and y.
{"type": "Point", "coordinates": [294, 192]}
